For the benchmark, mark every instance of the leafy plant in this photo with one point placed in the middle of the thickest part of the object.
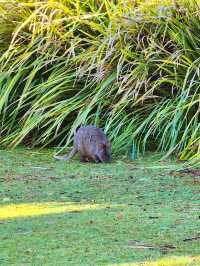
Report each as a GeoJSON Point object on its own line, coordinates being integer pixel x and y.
{"type": "Point", "coordinates": [132, 68]}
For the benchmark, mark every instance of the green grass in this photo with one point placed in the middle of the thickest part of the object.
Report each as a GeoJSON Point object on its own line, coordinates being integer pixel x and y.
{"type": "Point", "coordinates": [70, 213]}
{"type": "Point", "coordinates": [131, 68]}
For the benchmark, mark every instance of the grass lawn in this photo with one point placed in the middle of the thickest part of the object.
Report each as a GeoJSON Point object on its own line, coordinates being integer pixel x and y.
{"type": "Point", "coordinates": [71, 213]}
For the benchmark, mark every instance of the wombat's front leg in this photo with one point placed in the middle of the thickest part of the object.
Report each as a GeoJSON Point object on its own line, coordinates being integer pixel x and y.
{"type": "Point", "coordinates": [97, 160]}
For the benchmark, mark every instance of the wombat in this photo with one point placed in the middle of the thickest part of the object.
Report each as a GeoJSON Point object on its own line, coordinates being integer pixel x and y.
{"type": "Point", "coordinates": [92, 145]}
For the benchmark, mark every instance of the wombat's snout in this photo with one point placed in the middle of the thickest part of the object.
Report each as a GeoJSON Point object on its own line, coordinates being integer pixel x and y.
{"type": "Point", "coordinates": [104, 156]}
{"type": "Point", "coordinates": [108, 158]}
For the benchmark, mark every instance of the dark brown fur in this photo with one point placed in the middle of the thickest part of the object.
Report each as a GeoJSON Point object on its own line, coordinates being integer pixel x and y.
{"type": "Point", "coordinates": [92, 145]}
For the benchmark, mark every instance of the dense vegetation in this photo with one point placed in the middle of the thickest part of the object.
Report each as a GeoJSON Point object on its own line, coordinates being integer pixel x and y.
{"type": "Point", "coordinates": [128, 66]}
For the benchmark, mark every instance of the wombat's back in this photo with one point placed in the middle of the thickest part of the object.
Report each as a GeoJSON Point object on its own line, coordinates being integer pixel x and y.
{"type": "Point", "coordinates": [91, 133]}
{"type": "Point", "coordinates": [91, 141]}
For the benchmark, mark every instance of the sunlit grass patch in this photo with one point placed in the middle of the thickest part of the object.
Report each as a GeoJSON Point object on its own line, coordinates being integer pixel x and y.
{"type": "Point", "coordinates": [169, 261]}
{"type": "Point", "coordinates": [37, 209]}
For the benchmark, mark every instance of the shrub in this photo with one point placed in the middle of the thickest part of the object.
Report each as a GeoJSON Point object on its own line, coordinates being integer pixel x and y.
{"type": "Point", "coordinates": [129, 66]}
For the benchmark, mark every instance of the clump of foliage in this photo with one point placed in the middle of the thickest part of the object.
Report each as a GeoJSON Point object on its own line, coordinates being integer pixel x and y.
{"type": "Point", "coordinates": [129, 66]}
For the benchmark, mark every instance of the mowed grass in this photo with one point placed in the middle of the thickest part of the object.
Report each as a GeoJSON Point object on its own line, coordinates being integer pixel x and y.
{"type": "Point", "coordinates": [70, 213]}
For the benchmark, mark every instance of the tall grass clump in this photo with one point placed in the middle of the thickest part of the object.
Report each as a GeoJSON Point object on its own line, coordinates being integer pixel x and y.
{"type": "Point", "coordinates": [131, 67]}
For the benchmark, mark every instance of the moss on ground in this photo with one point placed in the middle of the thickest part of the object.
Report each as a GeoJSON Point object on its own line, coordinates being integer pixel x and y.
{"type": "Point", "coordinates": [70, 213]}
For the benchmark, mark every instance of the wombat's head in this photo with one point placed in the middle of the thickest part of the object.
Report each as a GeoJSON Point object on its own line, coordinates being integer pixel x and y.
{"type": "Point", "coordinates": [104, 152]}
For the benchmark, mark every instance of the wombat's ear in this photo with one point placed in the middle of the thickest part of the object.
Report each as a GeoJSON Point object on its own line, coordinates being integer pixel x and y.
{"type": "Point", "coordinates": [102, 145]}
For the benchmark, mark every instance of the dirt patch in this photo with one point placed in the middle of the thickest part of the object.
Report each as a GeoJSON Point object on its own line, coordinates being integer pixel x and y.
{"type": "Point", "coordinates": [191, 172]}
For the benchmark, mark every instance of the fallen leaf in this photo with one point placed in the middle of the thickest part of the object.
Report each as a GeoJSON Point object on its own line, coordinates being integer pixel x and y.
{"type": "Point", "coordinates": [90, 222]}
{"type": "Point", "coordinates": [104, 176]}
{"type": "Point", "coordinates": [119, 215]}
{"type": "Point", "coordinates": [6, 199]}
